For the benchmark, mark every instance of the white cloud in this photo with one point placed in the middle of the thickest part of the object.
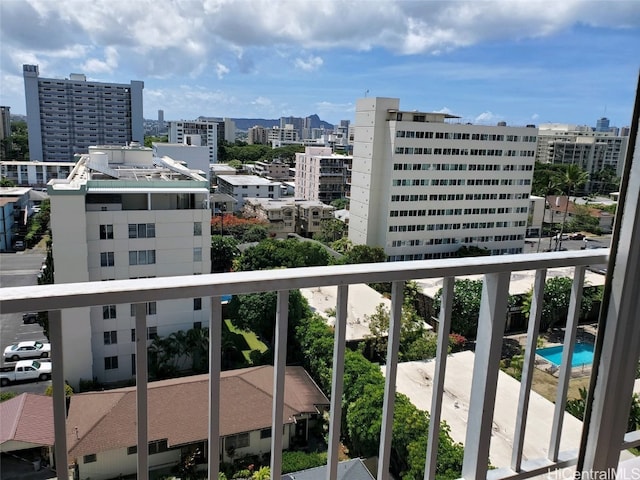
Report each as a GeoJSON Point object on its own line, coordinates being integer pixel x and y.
{"type": "Point", "coordinates": [535, 116]}
{"type": "Point", "coordinates": [262, 102]}
{"type": "Point", "coordinates": [221, 70]}
{"type": "Point", "coordinates": [310, 64]}
{"type": "Point", "coordinates": [444, 110]}
{"type": "Point", "coordinates": [108, 65]}
{"type": "Point", "coordinates": [487, 118]}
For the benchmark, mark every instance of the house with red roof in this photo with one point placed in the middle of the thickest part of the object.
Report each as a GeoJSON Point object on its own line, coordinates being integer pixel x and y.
{"type": "Point", "coordinates": [101, 437]}
{"type": "Point", "coordinates": [27, 424]}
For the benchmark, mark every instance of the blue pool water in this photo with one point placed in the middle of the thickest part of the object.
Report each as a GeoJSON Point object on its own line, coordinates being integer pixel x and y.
{"type": "Point", "coordinates": [582, 354]}
{"type": "Point", "coordinates": [225, 298]}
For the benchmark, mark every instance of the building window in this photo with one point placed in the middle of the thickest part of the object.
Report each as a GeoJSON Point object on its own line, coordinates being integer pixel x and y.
{"type": "Point", "coordinates": [107, 259]}
{"type": "Point", "coordinates": [197, 229]}
{"type": "Point", "coordinates": [158, 446]}
{"type": "Point", "coordinates": [106, 232]}
{"type": "Point", "coordinates": [197, 325]}
{"type": "Point", "coordinates": [111, 363]}
{"type": "Point", "coordinates": [142, 230]}
{"type": "Point", "coordinates": [108, 312]}
{"type": "Point", "coordinates": [197, 304]}
{"type": "Point", "coordinates": [111, 337]}
{"type": "Point", "coordinates": [265, 433]}
{"type": "Point", "coordinates": [132, 450]}
{"type": "Point", "coordinates": [133, 334]}
{"type": "Point", "coordinates": [237, 441]}
{"type": "Point", "coordinates": [142, 257]}
{"type": "Point", "coordinates": [90, 458]}
{"type": "Point", "coordinates": [133, 368]}
{"type": "Point", "coordinates": [152, 332]}
{"type": "Point", "coordinates": [150, 309]}
{"type": "Point", "coordinates": [197, 254]}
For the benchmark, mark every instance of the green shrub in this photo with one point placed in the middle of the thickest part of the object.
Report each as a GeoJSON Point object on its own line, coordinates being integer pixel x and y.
{"type": "Point", "coordinates": [296, 461]}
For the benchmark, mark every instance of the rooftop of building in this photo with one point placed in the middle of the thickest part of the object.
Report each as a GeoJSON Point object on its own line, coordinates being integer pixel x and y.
{"type": "Point", "coordinates": [239, 180]}
{"type": "Point", "coordinates": [278, 203]}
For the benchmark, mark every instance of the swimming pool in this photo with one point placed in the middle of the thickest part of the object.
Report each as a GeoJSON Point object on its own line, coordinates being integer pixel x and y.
{"type": "Point", "coordinates": [582, 354]}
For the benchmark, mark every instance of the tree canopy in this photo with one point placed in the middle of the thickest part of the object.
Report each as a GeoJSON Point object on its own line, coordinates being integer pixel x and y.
{"type": "Point", "coordinates": [289, 253]}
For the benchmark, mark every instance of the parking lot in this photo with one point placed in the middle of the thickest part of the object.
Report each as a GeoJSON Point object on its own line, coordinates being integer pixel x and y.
{"type": "Point", "coordinates": [20, 269]}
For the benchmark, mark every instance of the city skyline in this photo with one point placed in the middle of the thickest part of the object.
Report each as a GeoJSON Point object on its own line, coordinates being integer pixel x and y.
{"type": "Point", "coordinates": [519, 62]}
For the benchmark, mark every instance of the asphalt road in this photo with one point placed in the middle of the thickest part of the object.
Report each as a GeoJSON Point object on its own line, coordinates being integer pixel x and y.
{"type": "Point", "coordinates": [16, 270]}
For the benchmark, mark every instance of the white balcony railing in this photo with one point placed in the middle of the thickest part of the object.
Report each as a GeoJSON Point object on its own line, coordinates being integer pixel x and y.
{"type": "Point", "coordinates": [496, 271]}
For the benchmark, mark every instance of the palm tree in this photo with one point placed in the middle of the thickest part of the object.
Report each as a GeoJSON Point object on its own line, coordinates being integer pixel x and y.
{"type": "Point", "coordinates": [573, 178]}
{"type": "Point", "coordinates": [552, 187]}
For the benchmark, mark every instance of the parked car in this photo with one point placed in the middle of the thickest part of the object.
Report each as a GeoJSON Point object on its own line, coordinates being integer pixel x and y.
{"type": "Point", "coordinates": [30, 317]}
{"type": "Point", "coordinates": [25, 370]}
{"type": "Point", "coordinates": [576, 236]}
{"type": "Point", "coordinates": [31, 349]}
{"type": "Point", "coordinates": [18, 245]}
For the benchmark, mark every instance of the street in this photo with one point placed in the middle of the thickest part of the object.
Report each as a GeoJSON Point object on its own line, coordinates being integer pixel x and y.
{"type": "Point", "coordinates": [16, 270]}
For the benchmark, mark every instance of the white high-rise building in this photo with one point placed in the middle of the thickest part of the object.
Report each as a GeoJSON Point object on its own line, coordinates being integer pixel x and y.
{"type": "Point", "coordinates": [66, 116]}
{"type": "Point", "coordinates": [206, 129]}
{"type": "Point", "coordinates": [322, 175]}
{"type": "Point", "coordinates": [422, 187]}
{"type": "Point", "coordinates": [593, 151]}
{"type": "Point", "coordinates": [122, 214]}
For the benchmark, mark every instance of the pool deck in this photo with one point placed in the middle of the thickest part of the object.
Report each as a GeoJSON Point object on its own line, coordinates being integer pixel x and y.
{"type": "Point", "coordinates": [585, 334]}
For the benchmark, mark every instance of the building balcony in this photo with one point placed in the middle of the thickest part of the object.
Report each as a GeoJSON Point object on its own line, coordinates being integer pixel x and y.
{"type": "Point", "coordinates": [616, 358]}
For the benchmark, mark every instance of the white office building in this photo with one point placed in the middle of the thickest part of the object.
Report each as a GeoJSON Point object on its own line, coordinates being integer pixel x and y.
{"type": "Point", "coordinates": [34, 174]}
{"type": "Point", "coordinates": [66, 116]}
{"type": "Point", "coordinates": [124, 214]}
{"type": "Point", "coordinates": [322, 175]}
{"type": "Point", "coordinates": [244, 186]}
{"type": "Point", "coordinates": [592, 150]}
{"type": "Point", "coordinates": [204, 132]}
{"type": "Point", "coordinates": [424, 185]}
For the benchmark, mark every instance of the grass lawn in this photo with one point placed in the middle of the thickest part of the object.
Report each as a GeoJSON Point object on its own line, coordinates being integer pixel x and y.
{"type": "Point", "coordinates": [547, 385]}
{"type": "Point", "coordinates": [245, 341]}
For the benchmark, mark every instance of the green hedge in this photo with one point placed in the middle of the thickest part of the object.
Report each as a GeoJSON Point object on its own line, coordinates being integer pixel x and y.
{"type": "Point", "coordinates": [296, 461]}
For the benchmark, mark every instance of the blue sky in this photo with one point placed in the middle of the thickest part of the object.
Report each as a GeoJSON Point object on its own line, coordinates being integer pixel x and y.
{"type": "Point", "coordinates": [533, 61]}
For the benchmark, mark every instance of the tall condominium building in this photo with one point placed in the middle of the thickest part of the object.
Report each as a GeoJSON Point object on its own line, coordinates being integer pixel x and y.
{"type": "Point", "coordinates": [423, 187]}
{"type": "Point", "coordinates": [576, 144]}
{"type": "Point", "coordinates": [207, 130]}
{"type": "Point", "coordinates": [257, 135]}
{"type": "Point", "coordinates": [322, 175]}
{"type": "Point", "coordinates": [121, 214]}
{"type": "Point", "coordinates": [287, 134]}
{"type": "Point", "coordinates": [66, 116]}
{"type": "Point", "coordinates": [602, 124]}
{"type": "Point", "coordinates": [5, 131]}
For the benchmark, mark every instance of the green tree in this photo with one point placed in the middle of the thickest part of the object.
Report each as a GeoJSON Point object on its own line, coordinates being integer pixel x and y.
{"type": "Point", "coordinates": [256, 312]}
{"type": "Point", "coordinates": [545, 179]}
{"type": "Point", "coordinates": [290, 253]}
{"type": "Point", "coordinates": [582, 220]}
{"type": "Point", "coordinates": [573, 178]}
{"type": "Point", "coordinates": [340, 203]}
{"type": "Point", "coordinates": [465, 307]}
{"type": "Point", "coordinates": [237, 164]}
{"type": "Point", "coordinates": [5, 182]}
{"type": "Point", "coordinates": [365, 254]}
{"type": "Point", "coordinates": [223, 252]}
{"type": "Point", "coordinates": [331, 229]}
{"type": "Point", "coordinates": [555, 306]}
{"type": "Point", "coordinates": [255, 233]}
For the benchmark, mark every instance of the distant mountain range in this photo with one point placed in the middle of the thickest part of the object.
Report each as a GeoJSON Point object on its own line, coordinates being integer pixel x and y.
{"type": "Point", "coordinates": [247, 123]}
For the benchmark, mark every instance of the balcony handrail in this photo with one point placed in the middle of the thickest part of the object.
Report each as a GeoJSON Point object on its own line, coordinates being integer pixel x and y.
{"type": "Point", "coordinates": [85, 294]}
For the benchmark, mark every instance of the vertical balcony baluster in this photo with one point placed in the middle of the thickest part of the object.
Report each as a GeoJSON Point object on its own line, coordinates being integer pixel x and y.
{"type": "Point", "coordinates": [59, 395]}
{"type": "Point", "coordinates": [491, 322]}
{"type": "Point", "coordinates": [444, 328]}
{"type": "Point", "coordinates": [565, 365]}
{"type": "Point", "coordinates": [337, 382]}
{"type": "Point", "coordinates": [280, 359]}
{"type": "Point", "coordinates": [215, 365]}
{"type": "Point", "coordinates": [142, 375]}
{"type": "Point", "coordinates": [535, 314]}
{"type": "Point", "coordinates": [393, 345]}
